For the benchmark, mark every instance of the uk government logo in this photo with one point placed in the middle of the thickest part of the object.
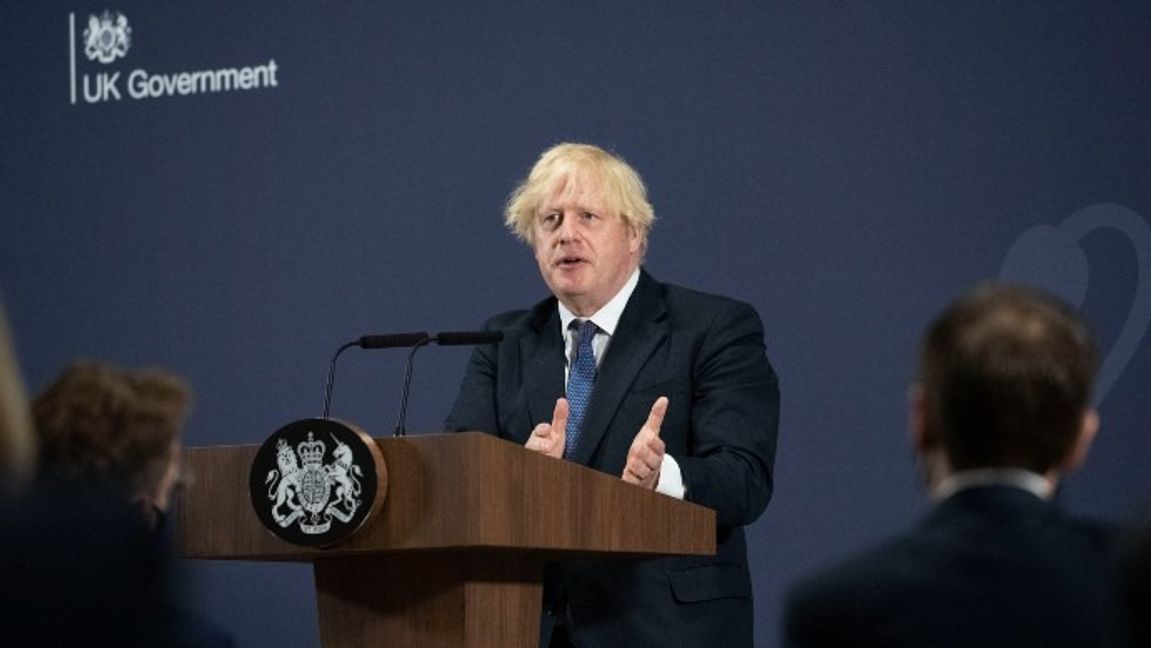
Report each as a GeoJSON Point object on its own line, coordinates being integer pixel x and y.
{"type": "Point", "coordinates": [107, 38]}
{"type": "Point", "coordinates": [105, 43]}
{"type": "Point", "coordinates": [316, 482]}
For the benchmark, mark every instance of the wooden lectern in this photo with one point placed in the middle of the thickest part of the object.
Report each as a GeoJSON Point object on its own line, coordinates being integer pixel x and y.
{"type": "Point", "coordinates": [455, 557]}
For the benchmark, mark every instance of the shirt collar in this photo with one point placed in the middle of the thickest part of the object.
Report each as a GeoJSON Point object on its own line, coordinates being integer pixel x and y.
{"type": "Point", "coordinates": [606, 318]}
{"type": "Point", "coordinates": [1033, 483]}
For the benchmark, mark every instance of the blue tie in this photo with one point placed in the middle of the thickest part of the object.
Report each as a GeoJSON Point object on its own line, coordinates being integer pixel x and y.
{"type": "Point", "coordinates": [581, 380]}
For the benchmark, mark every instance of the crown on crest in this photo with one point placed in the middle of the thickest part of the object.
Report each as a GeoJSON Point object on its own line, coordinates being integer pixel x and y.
{"type": "Point", "coordinates": [311, 451]}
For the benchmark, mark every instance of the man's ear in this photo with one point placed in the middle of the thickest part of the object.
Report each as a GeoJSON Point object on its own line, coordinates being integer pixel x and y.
{"type": "Point", "coordinates": [1078, 452]}
{"type": "Point", "coordinates": [636, 239]}
{"type": "Point", "coordinates": [929, 454]}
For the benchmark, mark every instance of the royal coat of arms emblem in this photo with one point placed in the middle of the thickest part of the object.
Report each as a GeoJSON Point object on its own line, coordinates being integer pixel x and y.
{"type": "Point", "coordinates": [314, 481]}
{"type": "Point", "coordinates": [304, 493]}
{"type": "Point", "coordinates": [107, 37]}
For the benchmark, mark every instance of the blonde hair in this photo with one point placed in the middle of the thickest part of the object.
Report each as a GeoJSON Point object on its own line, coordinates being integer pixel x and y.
{"type": "Point", "coordinates": [579, 164]}
{"type": "Point", "coordinates": [17, 442]}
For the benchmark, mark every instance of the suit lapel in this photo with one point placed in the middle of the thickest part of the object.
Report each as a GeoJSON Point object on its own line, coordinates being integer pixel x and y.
{"type": "Point", "coordinates": [541, 356]}
{"type": "Point", "coordinates": [642, 328]}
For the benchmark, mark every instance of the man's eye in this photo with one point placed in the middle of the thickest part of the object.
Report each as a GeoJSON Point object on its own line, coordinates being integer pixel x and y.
{"type": "Point", "coordinates": [550, 220]}
{"type": "Point", "coordinates": [590, 216]}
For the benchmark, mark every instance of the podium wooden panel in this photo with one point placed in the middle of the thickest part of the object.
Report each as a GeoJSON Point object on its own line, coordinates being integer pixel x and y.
{"type": "Point", "coordinates": [455, 556]}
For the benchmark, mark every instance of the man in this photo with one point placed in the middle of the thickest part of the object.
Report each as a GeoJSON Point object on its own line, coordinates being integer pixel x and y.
{"type": "Point", "coordinates": [1001, 412]}
{"type": "Point", "coordinates": [119, 428]}
{"type": "Point", "coordinates": [85, 538]}
{"type": "Point", "coordinates": [668, 388]}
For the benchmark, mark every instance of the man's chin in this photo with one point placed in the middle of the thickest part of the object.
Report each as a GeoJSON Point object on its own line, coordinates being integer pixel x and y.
{"type": "Point", "coordinates": [566, 284]}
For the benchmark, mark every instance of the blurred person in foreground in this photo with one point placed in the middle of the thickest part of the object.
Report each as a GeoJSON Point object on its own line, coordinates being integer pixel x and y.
{"type": "Point", "coordinates": [1001, 413]}
{"type": "Point", "coordinates": [81, 558]}
{"type": "Point", "coordinates": [117, 428]}
{"type": "Point", "coordinates": [1137, 586]}
{"type": "Point", "coordinates": [667, 388]}
{"type": "Point", "coordinates": [17, 442]}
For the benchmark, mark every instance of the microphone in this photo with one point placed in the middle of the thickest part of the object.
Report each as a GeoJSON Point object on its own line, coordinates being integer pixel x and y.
{"type": "Point", "coordinates": [447, 338]}
{"type": "Point", "coordinates": [457, 338]}
{"type": "Point", "coordinates": [369, 342]}
{"type": "Point", "coordinates": [415, 341]}
{"type": "Point", "coordinates": [392, 340]}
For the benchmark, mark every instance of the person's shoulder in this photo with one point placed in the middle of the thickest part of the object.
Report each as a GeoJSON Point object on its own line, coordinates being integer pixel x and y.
{"type": "Point", "coordinates": [827, 605]}
{"type": "Point", "coordinates": [678, 297]}
{"type": "Point", "coordinates": [523, 317]}
{"type": "Point", "coordinates": [508, 319]}
{"type": "Point", "coordinates": [1108, 539]}
{"type": "Point", "coordinates": [857, 573]}
{"type": "Point", "coordinates": [523, 322]}
{"type": "Point", "coordinates": [1053, 520]}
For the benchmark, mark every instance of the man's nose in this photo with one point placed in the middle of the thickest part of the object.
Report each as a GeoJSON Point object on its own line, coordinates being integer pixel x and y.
{"type": "Point", "coordinates": [568, 229]}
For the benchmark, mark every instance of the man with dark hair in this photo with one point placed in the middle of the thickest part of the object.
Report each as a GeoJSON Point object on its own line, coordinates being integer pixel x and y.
{"type": "Point", "coordinates": [1001, 412]}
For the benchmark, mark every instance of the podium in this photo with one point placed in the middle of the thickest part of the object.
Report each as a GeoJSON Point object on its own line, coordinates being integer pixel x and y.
{"type": "Point", "coordinates": [455, 557]}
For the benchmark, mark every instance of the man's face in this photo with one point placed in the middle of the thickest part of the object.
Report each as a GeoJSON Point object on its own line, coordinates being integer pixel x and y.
{"type": "Point", "coordinates": [584, 249]}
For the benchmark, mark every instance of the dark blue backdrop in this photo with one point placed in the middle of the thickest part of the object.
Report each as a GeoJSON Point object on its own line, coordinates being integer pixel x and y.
{"type": "Point", "coordinates": [845, 167]}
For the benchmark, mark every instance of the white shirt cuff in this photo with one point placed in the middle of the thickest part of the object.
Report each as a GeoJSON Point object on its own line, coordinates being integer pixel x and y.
{"type": "Point", "coordinates": [670, 478]}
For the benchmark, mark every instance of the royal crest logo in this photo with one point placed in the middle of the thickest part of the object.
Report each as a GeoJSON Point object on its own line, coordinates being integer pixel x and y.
{"type": "Point", "coordinates": [314, 493]}
{"type": "Point", "coordinates": [317, 482]}
{"type": "Point", "coordinates": [107, 37]}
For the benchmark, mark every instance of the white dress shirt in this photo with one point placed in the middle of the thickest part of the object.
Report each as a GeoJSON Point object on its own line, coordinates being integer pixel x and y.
{"type": "Point", "coordinates": [1031, 482]}
{"type": "Point", "coordinates": [606, 320]}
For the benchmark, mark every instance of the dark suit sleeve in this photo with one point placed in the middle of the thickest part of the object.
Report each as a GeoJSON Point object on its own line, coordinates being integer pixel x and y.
{"type": "Point", "coordinates": [734, 419]}
{"type": "Point", "coordinates": [475, 408]}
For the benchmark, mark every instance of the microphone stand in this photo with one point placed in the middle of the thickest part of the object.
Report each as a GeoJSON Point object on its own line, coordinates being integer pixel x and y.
{"type": "Point", "coordinates": [332, 376]}
{"type": "Point", "coordinates": [400, 431]}
{"type": "Point", "coordinates": [415, 341]}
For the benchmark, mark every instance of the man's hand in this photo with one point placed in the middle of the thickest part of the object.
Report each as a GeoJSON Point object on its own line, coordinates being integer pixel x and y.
{"type": "Point", "coordinates": [549, 438]}
{"type": "Point", "coordinates": [646, 453]}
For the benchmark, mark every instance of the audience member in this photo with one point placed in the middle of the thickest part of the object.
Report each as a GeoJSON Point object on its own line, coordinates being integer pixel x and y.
{"type": "Point", "coordinates": [120, 428]}
{"type": "Point", "coordinates": [79, 559]}
{"type": "Point", "coordinates": [1137, 588]}
{"type": "Point", "coordinates": [17, 443]}
{"type": "Point", "coordinates": [1001, 412]}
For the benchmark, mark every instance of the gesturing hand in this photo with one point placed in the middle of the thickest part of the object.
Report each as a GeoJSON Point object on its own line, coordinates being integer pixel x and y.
{"type": "Point", "coordinates": [549, 438]}
{"type": "Point", "coordinates": [646, 453]}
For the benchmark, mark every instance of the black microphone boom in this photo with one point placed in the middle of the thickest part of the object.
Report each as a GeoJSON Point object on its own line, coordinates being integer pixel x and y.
{"type": "Point", "coordinates": [444, 339]}
{"type": "Point", "coordinates": [454, 338]}
{"type": "Point", "coordinates": [392, 340]}
{"type": "Point", "coordinates": [369, 342]}
{"type": "Point", "coordinates": [415, 341]}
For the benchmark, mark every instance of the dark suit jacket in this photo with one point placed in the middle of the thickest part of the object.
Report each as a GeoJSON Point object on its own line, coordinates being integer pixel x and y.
{"type": "Point", "coordinates": [990, 566]}
{"type": "Point", "coordinates": [1136, 582]}
{"type": "Point", "coordinates": [78, 568]}
{"type": "Point", "coordinates": [706, 354]}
